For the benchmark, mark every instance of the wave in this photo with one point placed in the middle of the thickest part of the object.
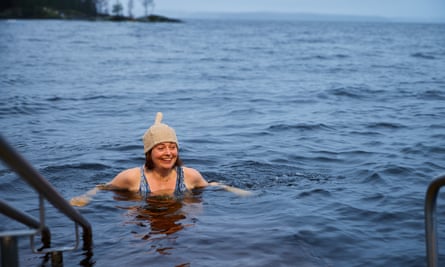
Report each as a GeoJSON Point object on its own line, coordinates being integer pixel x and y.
{"type": "Point", "coordinates": [121, 148]}
{"type": "Point", "coordinates": [374, 178]}
{"type": "Point", "coordinates": [81, 166]}
{"type": "Point", "coordinates": [432, 95]}
{"type": "Point", "coordinates": [301, 127]}
{"type": "Point", "coordinates": [355, 92]}
{"type": "Point", "coordinates": [423, 55]}
{"type": "Point", "coordinates": [396, 170]}
{"type": "Point", "coordinates": [318, 192]}
{"type": "Point", "coordinates": [311, 40]}
{"type": "Point", "coordinates": [335, 57]}
{"type": "Point", "coordinates": [385, 125]}
{"type": "Point", "coordinates": [23, 105]}
{"type": "Point", "coordinates": [365, 133]}
{"type": "Point", "coordinates": [84, 98]}
{"type": "Point", "coordinates": [262, 175]}
{"type": "Point", "coordinates": [422, 148]}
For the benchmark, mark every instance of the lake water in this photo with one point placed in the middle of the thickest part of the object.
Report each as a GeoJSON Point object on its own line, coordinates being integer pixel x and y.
{"type": "Point", "coordinates": [336, 127]}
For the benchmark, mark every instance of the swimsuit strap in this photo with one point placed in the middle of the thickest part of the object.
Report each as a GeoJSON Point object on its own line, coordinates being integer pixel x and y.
{"type": "Point", "coordinates": [180, 186]}
{"type": "Point", "coordinates": [144, 187]}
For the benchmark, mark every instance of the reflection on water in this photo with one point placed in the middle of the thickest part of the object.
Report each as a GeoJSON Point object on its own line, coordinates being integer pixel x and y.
{"type": "Point", "coordinates": [159, 217]}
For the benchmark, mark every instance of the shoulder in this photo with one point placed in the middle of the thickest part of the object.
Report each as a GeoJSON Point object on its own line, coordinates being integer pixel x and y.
{"type": "Point", "coordinates": [130, 173]}
{"type": "Point", "coordinates": [190, 171]}
{"type": "Point", "coordinates": [193, 178]}
{"type": "Point", "coordinates": [127, 179]}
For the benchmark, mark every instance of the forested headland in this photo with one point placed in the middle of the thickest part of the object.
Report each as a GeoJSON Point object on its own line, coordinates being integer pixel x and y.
{"type": "Point", "coordinates": [77, 9]}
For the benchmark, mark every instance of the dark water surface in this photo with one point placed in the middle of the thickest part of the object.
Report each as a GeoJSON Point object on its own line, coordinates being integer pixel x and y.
{"type": "Point", "coordinates": [338, 128]}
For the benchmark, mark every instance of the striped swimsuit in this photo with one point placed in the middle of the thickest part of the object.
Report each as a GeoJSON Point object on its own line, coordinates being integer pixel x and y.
{"type": "Point", "coordinates": [180, 188]}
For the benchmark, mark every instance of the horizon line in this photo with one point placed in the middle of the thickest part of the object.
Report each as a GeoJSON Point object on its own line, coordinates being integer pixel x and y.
{"type": "Point", "coordinates": [302, 16]}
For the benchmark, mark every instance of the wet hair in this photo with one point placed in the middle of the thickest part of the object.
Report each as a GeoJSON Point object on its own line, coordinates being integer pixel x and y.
{"type": "Point", "coordinates": [149, 164]}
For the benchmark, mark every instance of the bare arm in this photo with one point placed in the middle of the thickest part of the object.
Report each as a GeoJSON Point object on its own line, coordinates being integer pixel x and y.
{"type": "Point", "coordinates": [235, 190]}
{"type": "Point", "coordinates": [125, 180]}
{"type": "Point", "coordinates": [195, 180]}
{"type": "Point", "coordinates": [84, 199]}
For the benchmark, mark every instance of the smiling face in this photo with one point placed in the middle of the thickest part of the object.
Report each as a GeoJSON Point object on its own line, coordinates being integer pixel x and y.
{"type": "Point", "coordinates": [164, 155]}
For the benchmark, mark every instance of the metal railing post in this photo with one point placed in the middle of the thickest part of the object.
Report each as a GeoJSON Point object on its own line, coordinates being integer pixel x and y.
{"type": "Point", "coordinates": [430, 220]}
{"type": "Point", "coordinates": [9, 251]}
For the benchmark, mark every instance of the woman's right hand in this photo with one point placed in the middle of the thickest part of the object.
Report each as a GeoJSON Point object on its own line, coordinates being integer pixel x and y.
{"type": "Point", "coordinates": [80, 201]}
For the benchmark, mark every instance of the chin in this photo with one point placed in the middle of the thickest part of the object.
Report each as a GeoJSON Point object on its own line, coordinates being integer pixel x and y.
{"type": "Point", "coordinates": [167, 165]}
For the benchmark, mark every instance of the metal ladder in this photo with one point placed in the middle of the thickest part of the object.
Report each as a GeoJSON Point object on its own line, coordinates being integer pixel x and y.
{"type": "Point", "coordinates": [430, 220]}
{"type": "Point", "coordinates": [9, 248]}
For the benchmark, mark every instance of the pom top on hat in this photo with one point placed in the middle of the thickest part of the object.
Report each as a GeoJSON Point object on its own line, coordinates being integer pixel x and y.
{"type": "Point", "coordinates": [158, 133]}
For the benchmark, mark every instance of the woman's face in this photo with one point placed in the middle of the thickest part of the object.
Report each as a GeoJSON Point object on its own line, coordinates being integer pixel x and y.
{"type": "Point", "coordinates": [164, 155]}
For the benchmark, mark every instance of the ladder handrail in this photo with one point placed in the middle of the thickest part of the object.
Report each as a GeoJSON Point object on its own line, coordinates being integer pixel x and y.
{"type": "Point", "coordinates": [43, 187]}
{"type": "Point", "coordinates": [430, 220]}
{"type": "Point", "coordinates": [27, 220]}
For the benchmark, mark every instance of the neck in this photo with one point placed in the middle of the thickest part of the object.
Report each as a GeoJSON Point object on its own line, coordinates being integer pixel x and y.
{"type": "Point", "coordinates": [162, 174]}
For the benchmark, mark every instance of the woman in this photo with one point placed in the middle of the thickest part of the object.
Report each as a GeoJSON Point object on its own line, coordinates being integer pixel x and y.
{"type": "Point", "coordinates": [162, 173]}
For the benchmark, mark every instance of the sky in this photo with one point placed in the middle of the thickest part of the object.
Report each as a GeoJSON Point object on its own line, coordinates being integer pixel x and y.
{"type": "Point", "coordinates": [404, 9]}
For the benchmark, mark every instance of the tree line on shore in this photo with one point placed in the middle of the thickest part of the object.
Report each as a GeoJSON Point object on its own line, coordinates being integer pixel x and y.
{"type": "Point", "coordinates": [75, 9]}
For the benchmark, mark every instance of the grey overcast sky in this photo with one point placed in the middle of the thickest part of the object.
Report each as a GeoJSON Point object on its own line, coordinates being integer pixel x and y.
{"type": "Point", "coordinates": [417, 9]}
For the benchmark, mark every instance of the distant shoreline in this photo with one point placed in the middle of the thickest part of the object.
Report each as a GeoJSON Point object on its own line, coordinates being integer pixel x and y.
{"type": "Point", "coordinates": [48, 13]}
{"type": "Point", "coordinates": [301, 16]}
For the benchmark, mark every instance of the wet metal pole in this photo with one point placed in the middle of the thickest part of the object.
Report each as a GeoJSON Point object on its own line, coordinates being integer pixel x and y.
{"type": "Point", "coordinates": [430, 220]}
{"type": "Point", "coordinates": [9, 252]}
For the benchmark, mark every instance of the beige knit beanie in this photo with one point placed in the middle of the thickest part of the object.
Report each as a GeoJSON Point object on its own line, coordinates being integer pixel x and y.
{"type": "Point", "coordinates": [158, 133]}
